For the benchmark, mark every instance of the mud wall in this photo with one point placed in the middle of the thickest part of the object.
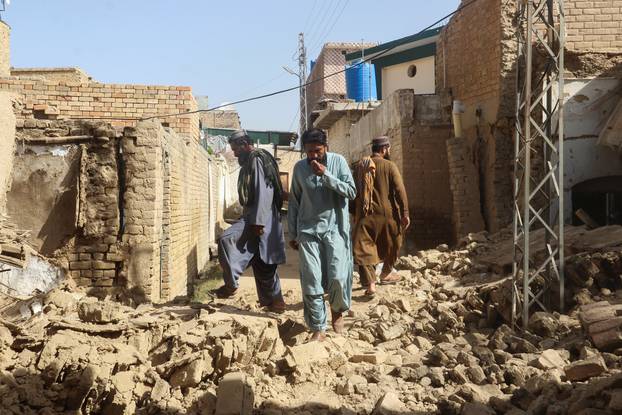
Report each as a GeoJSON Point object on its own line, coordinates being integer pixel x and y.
{"type": "Point", "coordinates": [5, 60]}
{"type": "Point", "coordinates": [7, 144]}
{"type": "Point", "coordinates": [132, 215]}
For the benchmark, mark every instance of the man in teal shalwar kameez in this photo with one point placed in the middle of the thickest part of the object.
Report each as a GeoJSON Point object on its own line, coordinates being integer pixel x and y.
{"type": "Point", "coordinates": [319, 228]}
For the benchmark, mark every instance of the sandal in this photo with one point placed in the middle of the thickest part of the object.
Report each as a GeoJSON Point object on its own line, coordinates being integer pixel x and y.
{"type": "Point", "coordinates": [226, 292]}
{"type": "Point", "coordinates": [277, 306]}
{"type": "Point", "coordinates": [392, 278]}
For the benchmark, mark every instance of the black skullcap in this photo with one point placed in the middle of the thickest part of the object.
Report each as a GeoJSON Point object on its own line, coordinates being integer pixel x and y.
{"type": "Point", "coordinates": [314, 135]}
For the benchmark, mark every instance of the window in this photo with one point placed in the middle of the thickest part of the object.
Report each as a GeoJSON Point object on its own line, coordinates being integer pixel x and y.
{"type": "Point", "coordinates": [412, 71]}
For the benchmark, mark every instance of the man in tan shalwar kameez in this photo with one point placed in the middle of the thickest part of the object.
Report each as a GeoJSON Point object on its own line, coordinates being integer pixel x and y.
{"type": "Point", "coordinates": [381, 216]}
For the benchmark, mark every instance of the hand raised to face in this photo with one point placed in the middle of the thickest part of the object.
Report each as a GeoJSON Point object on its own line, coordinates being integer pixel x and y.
{"type": "Point", "coordinates": [318, 168]}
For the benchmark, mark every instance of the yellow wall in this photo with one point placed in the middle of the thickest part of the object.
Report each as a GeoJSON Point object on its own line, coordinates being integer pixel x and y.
{"type": "Point", "coordinates": [396, 77]}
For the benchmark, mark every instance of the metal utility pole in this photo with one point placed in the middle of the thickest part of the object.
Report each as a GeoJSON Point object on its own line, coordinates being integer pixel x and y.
{"type": "Point", "coordinates": [302, 75]}
{"type": "Point", "coordinates": [539, 157]}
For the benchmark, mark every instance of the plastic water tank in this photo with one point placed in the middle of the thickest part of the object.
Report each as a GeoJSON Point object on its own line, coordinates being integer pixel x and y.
{"type": "Point", "coordinates": [312, 65]}
{"type": "Point", "coordinates": [361, 82]}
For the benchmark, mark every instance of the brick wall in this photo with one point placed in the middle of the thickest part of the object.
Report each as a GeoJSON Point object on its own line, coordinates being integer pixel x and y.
{"type": "Point", "coordinates": [5, 59]}
{"type": "Point", "coordinates": [220, 119]}
{"type": "Point", "coordinates": [426, 177]}
{"type": "Point", "coordinates": [7, 144]}
{"type": "Point", "coordinates": [143, 210]}
{"type": "Point", "coordinates": [594, 25]}
{"type": "Point", "coordinates": [417, 130]}
{"type": "Point", "coordinates": [114, 102]}
{"type": "Point", "coordinates": [53, 74]}
{"type": "Point", "coordinates": [147, 204]}
{"type": "Point", "coordinates": [330, 60]}
{"type": "Point", "coordinates": [464, 186]}
{"type": "Point", "coordinates": [476, 54]}
{"type": "Point", "coordinates": [189, 204]}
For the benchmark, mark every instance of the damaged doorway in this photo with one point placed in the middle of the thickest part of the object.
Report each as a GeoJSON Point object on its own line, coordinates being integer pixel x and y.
{"type": "Point", "coordinates": [600, 198]}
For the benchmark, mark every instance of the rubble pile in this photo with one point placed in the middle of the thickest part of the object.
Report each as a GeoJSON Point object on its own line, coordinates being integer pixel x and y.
{"type": "Point", "coordinates": [434, 343]}
{"type": "Point", "coordinates": [81, 354]}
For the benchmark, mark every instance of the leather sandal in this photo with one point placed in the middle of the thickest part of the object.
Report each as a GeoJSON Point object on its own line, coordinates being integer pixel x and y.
{"type": "Point", "coordinates": [392, 278]}
{"type": "Point", "coordinates": [226, 292]}
{"type": "Point", "coordinates": [277, 306]}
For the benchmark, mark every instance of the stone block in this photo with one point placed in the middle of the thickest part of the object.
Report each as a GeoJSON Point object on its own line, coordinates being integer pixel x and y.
{"type": "Point", "coordinates": [103, 265]}
{"type": "Point", "coordinates": [80, 265]}
{"type": "Point", "coordinates": [235, 396]}
{"type": "Point", "coordinates": [585, 369]}
{"type": "Point", "coordinates": [374, 357]}
{"type": "Point", "coordinates": [550, 359]}
{"type": "Point", "coordinates": [306, 354]}
{"type": "Point", "coordinates": [389, 404]}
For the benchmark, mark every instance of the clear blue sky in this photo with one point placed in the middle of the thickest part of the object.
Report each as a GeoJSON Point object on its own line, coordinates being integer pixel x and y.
{"type": "Point", "coordinates": [227, 50]}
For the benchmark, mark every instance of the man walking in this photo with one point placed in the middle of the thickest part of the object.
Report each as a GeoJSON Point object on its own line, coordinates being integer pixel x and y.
{"type": "Point", "coordinates": [257, 238]}
{"type": "Point", "coordinates": [319, 228]}
{"type": "Point", "coordinates": [381, 215]}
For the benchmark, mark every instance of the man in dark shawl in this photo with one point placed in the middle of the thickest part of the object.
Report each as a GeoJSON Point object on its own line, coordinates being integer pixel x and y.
{"type": "Point", "coordinates": [256, 239]}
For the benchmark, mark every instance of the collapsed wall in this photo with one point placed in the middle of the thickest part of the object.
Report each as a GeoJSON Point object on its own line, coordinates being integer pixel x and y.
{"type": "Point", "coordinates": [133, 214]}
{"type": "Point", "coordinates": [476, 64]}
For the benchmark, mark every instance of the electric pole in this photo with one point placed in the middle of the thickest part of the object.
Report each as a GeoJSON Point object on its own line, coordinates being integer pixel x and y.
{"type": "Point", "coordinates": [302, 76]}
{"type": "Point", "coordinates": [539, 195]}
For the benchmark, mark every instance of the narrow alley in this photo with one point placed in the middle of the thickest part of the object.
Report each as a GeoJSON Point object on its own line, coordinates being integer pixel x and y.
{"type": "Point", "coordinates": [498, 124]}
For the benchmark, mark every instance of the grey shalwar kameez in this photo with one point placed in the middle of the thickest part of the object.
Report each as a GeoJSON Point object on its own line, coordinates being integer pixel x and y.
{"type": "Point", "coordinates": [239, 247]}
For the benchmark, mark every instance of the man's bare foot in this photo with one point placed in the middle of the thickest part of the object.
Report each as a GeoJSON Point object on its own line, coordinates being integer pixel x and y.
{"type": "Point", "coordinates": [318, 336]}
{"type": "Point", "coordinates": [338, 323]}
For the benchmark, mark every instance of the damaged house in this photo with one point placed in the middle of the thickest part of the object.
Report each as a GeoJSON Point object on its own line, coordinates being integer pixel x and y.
{"type": "Point", "coordinates": [462, 185]}
{"type": "Point", "coordinates": [122, 206]}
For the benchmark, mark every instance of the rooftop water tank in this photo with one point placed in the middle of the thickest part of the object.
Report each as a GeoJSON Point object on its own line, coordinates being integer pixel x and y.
{"type": "Point", "coordinates": [361, 82]}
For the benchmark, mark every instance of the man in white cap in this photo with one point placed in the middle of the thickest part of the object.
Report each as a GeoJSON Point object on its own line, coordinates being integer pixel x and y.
{"type": "Point", "coordinates": [381, 215]}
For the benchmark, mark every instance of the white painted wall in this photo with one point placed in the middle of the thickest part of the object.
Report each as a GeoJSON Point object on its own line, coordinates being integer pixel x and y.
{"type": "Point", "coordinates": [396, 77]}
{"type": "Point", "coordinates": [588, 104]}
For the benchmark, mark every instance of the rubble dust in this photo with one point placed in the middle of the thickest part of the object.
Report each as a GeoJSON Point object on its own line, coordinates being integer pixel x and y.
{"type": "Point", "coordinates": [437, 342]}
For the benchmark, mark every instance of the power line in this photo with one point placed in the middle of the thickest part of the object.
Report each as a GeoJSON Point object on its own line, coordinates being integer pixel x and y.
{"type": "Point", "coordinates": [332, 26]}
{"type": "Point", "coordinates": [304, 30]}
{"type": "Point", "coordinates": [328, 14]}
{"type": "Point", "coordinates": [281, 91]}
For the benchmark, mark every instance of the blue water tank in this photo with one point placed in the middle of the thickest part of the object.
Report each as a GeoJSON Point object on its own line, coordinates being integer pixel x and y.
{"type": "Point", "coordinates": [312, 65]}
{"type": "Point", "coordinates": [361, 82]}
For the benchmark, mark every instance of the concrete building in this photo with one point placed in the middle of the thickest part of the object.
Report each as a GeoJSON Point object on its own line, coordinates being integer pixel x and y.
{"type": "Point", "coordinates": [330, 60]}
{"type": "Point", "coordinates": [461, 185]}
{"type": "Point", "coordinates": [406, 63]}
